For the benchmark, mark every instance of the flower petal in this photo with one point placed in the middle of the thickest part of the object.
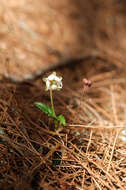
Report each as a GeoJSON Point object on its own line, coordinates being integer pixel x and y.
{"type": "Point", "coordinates": [53, 82]}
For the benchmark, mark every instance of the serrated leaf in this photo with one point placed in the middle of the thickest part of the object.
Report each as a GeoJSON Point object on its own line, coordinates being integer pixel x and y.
{"type": "Point", "coordinates": [62, 120]}
{"type": "Point", "coordinates": [46, 109]}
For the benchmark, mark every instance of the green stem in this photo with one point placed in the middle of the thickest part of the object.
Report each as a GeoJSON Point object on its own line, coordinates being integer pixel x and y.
{"type": "Point", "coordinates": [52, 104]}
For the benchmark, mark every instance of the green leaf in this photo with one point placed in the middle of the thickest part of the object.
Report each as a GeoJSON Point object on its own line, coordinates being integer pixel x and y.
{"type": "Point", "coordinates": [62, 120]}
{"type": "Point", "coordinates": [46, 109]}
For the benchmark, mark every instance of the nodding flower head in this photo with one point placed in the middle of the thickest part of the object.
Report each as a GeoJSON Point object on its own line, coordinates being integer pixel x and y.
{"type": "Point", "coordinates": [53, 82]}
{"type": "Point", "coordinates": [86, 82]}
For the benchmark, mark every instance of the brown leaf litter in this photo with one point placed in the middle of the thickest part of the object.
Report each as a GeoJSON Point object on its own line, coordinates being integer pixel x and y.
{"type": "Point", "coordinates": [86, 154]}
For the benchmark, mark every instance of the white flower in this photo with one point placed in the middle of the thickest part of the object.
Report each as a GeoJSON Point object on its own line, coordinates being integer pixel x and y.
{"type": "Point", "coordinates": [53, 82]}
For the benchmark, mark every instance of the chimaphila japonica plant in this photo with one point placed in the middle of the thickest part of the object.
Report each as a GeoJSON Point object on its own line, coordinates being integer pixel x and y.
{"type": "Point", "coordinates": [53, 82]}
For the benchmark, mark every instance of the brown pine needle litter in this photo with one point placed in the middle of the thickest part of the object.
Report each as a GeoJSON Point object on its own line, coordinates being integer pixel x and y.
{"type": "Point", "coordinates": [88, 154]}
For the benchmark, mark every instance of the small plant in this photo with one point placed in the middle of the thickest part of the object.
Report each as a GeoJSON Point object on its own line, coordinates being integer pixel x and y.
{"type": "Point", "coordinates": [53, 82]}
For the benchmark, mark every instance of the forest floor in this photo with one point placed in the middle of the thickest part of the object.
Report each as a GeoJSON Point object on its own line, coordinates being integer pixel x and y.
{"type": "Point", "coordinates": [88, 153]}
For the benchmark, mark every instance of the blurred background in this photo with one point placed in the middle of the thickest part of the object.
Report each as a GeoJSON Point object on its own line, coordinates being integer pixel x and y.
{"type": "Point", "coordinates": [36, 35]}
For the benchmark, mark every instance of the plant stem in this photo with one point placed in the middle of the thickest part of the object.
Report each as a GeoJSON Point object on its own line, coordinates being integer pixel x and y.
{"type": "Point", "coordinates": [52, 104]}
